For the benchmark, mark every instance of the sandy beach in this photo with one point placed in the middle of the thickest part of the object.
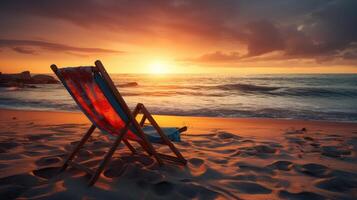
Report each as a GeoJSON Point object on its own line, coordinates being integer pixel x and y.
{"type": "Point", "coordinates": [227, 159]}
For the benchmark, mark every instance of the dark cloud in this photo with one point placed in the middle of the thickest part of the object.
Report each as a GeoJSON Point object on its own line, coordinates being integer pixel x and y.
{"type": "Point", "coordinates": [326, 34]}
{"type": "Point", "coordinates": [333, 27]}
{"type": "Point", "coordinates": [350, 55]}
{"type": "Point", "coordinates": [263, 37]}
{"type": "Point", "coordinates": [299, 29]}
{"type": "Point", "coordinates": [24, 50]}
{"type": "Point", "coordinates": [23, 46]}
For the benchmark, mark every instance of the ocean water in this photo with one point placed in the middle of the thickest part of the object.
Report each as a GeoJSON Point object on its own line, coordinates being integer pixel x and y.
{"type": "Point", "coordinates": [313, 97]}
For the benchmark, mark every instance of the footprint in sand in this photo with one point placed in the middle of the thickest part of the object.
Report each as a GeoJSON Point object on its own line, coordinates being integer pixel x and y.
{"type": "Point", "coordinates": [46, 173]}
{"type": "Point", "coordinates": [100, 144]}
{"type": "Point", "coordinates": [265, 149]}
{"type": "Point", "coordinates": [218, 161]}
{"type": "Point", "coordinates": [47, 161]}
{"type": "Point", "coordinates": [281, 165]}
{"type": "Point", "coordinates": [12, 191]}
{"type": "Point", "coordinates": [337, 184]}
{"type": "Point", "coordinates": [315, 170]}
{"type": "Point", "coordinates": [12, 156]}
{"type": "Point", "coordinates": [135, 171]}
{"type": "Point", "coordinates": [163, 188]}
{"type": "Point", "coordinates": [249, 187]}
{"type": "Point", "coordinates": [308, 138]}
{"type": "Point", "coordinates": [139, 158]}
{"type": "Point", "coordinates": [196, 162]}
{"type": "Point", "coordinates": [335, 151]}
{"type": "Point", "coordinates": [248, 167]}
{"type": "Point", "coordinates": [188, 190]}
{"type": "Point", "coordinates": [296, 140]}
{"type": "Point", "coordinates": [192, 191]}
{"type": "Point", "coordinates": [225, 135]}
{"type": "Point", "coordinates": [41, 147]}
{"type": "Point", "coordinates": [115, 169]}
{"type": "Point", "coordinates": [74, 143]}
{"type": "Point", "coordinates": [33, 153]}
{"type": "Point", "coordinates": [85, 153]}
{"type": "Point", "coordinates": [258, 150]}
{"type": "Point", "coordinates": [114, 173]}
{"type": "Point", "coordinates": [263, 178]}
{"type": "Point", "coordinates": [98, 152]}
{"type": "Point", "coordinates": [300, 196]}
{"type": "Point", "coordinates": [25, 180]}
{"type": "Point", "coordinates": [294, 131]}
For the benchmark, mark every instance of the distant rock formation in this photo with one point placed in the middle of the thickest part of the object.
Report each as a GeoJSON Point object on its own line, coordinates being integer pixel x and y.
{"type": "Point", "coordinates": [24, 79]}
{"type": "Point", "coordinates": [43, 79]}
{"type": "Point", "coordinates": [129, 84]}
{"type": "Point", "coordinates": [20, 76]}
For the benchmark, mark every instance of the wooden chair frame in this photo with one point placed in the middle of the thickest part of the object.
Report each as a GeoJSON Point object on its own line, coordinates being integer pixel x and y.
{"type": "Point", "coordinates": [145, 143]}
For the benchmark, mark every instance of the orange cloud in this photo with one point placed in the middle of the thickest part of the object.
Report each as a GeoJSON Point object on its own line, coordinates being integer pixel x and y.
{"type": "Point", "coordinates": [21, 46]}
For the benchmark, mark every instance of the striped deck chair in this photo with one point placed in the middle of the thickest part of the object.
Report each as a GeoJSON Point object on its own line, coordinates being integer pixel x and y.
{"type": "Point", "coordinates": [97, 97]}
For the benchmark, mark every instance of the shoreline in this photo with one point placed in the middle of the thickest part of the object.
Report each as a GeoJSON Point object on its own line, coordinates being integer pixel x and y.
{"type": "Point", "coordinates": [196, 125]}
{"type": "Point", "coordinates": [194, 116]}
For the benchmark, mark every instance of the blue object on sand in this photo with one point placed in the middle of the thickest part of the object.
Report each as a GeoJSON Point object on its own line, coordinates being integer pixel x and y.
{"type": "Point", "coordinates": [172, 133]}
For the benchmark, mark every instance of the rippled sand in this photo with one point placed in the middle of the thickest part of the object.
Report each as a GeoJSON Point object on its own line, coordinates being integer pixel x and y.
{"type": "Point", "coordinates": [227, 159]}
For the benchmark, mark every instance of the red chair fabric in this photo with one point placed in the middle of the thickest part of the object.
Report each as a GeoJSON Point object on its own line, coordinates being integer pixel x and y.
{"type": "Point", "coordinates": [80, 83]}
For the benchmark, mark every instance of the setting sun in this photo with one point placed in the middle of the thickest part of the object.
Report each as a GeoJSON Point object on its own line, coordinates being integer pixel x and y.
{"type": "Point", "coordinates": [158, 67]}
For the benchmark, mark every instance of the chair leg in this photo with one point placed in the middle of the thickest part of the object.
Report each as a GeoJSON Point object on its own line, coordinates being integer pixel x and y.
{"type": "Point", "coordinates": [145, 148]}
{"type": "Point", "coordinates": [182, 129]}
{"type": "Point", "coordinates": [78, 147]}
{"type": "Point", "coordinates": [142, 121]}
{"type": "Point", "coordinates": [148, 147]}
{"type": "Point", "coordinates": [163, 136]}
{"type": "Point", "coordinates": [127, 143]}
{"type": "Point", "coordinates": [108, 156]}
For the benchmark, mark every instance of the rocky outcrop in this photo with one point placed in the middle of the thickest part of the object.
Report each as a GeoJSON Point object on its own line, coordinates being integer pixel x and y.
{"type": "Point", "coordinates": [43, 79]}
{"type": "Point", "coordinates": [24, 79]}
{"type": "Point", "coordinates": [23, 76]}
{"type": "Point", "coordinates": [129, 84]}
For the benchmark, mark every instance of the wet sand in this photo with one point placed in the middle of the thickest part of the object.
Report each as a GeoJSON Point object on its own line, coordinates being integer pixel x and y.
{"type": "Point", "coordinates": [227, 159]}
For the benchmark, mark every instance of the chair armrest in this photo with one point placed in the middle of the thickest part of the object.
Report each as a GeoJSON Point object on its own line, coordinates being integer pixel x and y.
{"type": "Point", "coordinates": [137, 110]}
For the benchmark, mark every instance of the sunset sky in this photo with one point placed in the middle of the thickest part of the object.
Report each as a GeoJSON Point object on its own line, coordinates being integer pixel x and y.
{"type": "Point", "coordinates": [180, 36]}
